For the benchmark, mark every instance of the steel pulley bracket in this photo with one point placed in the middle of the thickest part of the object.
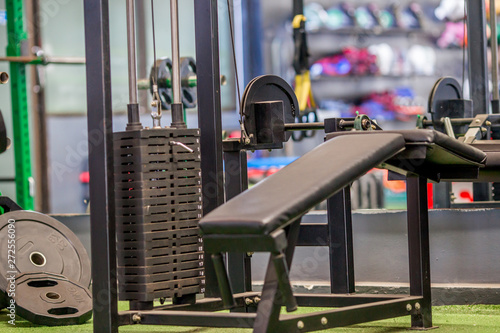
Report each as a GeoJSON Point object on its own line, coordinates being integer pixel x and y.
{"type": "Point", "coordinates": [362, 123]}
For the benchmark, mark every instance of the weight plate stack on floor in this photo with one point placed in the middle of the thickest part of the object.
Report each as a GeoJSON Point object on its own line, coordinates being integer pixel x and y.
{"type": "Point", "coordinates": [158, 205]}
{"type": "Point", "coordinates": [34, 244]}
{"type": "Point", "coordinates": [43, 244]}
{"type": "Point", "coordinates": [52, 300]}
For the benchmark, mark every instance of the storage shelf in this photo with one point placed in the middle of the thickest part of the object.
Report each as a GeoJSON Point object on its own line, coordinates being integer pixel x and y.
{"type": "Point", "coordinates": [377, 31]}
{"type": "Point", "coordinates": [371, 77]}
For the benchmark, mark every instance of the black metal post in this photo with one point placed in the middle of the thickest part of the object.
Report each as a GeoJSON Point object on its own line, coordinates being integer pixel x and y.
{"type": "Point", "coordinates": [442, 195]}
{"type": "Point", "coordinates": [100, 125]}
{"type": "Point", "coordinates": [239, 268]}
{"type": "Point", "coordinates": [478, 66]}
{"type": "Point", "coordinates": [252, 39]}
{"type": "Point", "coordinates": [418, 247]}
{"type": "Point", "coordinates": [340, 242]}
{"type": "Point", "coordinates": [478, 74]}
{"type": "Point", "coordinates": [209, 115]}
{"type": "Point", "coordinates": [42, 181]}
{"type": "Point", "coordinates": [268, 310]}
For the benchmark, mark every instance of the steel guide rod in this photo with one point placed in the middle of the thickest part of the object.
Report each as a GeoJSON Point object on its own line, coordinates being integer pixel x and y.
{"type": "Point", "coordinates": [176, 72]}
{"type": "Point", "coordinates": [32, 60]}
{"type": "Point", "coordinates": [133, 107]}
{"type": "Point", "coordinates": [132, 68]}
{"type": "Point", "coordinates": [494, 49]}
{"type": "Point", "coordinates": [177, 107]}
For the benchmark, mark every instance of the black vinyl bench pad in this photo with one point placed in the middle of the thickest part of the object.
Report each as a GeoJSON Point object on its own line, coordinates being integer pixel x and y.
{"type": "Point", "coordinates": [286, 195]}
{"type": "Point", "coordinates": [433, 155]}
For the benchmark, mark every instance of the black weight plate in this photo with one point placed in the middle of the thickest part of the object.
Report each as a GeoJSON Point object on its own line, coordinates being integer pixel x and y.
{"type": "Point", "coordinates": [4, 141]}
{"type": "Point", "coordinates": [446, 88]}
{"type": "Point", "coordinates": [189, 94]}
{"type": "Point", "coordinates": [164, 70]}
{"type": "Point", "coordinates": [52, 300]}
{"type": "Point", "coordinates": [43, 244]}
{"type": "Point", "coordinates": [268, 88]}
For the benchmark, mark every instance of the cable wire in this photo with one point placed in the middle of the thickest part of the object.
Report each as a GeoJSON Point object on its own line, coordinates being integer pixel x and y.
{"type": "Point", "coordinates": [234, 52]}
{"type": "Point", "coordinates": [244, 134]}
{"type": "Point", "coordinates": [155, 76]}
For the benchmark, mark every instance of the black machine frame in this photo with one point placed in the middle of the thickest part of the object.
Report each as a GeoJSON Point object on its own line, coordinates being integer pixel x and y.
{"type": "Point", "coordinates": [337, 233]}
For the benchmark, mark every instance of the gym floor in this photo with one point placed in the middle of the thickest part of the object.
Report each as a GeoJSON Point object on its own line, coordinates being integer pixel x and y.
{"type": "Point", "coordinates": [463, 318]}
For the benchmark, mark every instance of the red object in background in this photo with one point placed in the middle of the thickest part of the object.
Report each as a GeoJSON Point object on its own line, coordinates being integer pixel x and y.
{"type": "Point", "coordinates": [466, 195]}
{"type": "Point", "coordinates": [430, 196]}
{"type": "Point", "coordinates": [85, 177]}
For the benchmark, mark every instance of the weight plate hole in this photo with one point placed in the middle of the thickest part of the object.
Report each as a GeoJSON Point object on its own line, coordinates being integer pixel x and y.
{"type": "Point", "coordinates": [42, 283]}
{"type": "Point", "coordinates": [4, 77]}
{"type": "Point", "coordinates": [52, 295]}
{"type": "Point", "coordinates": [38, 259]}
{"type": "Point", "coordinates": [62, 311]}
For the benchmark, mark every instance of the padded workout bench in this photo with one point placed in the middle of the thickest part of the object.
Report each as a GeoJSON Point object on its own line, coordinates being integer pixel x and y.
{"type": "Point", "coordinates": [266, 218]}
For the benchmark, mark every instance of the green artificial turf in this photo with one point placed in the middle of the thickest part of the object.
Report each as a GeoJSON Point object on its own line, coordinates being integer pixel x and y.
{"type": "Point", "coordinates": [466, 318]}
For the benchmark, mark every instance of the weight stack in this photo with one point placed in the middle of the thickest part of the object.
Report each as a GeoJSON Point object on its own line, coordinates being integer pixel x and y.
{"type": "Point", "coordinates": [158, 206]}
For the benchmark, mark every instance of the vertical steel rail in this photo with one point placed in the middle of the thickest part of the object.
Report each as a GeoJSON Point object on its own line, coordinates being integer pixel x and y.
{"type": "Point", "coordinates": [236, 181]}
{"type": "Point", "coordinates": [134, 122]}
{"type": "Point", "coordinates": [494, 58]}
{"type": "Point", "coordinates": [478, 69]}
{"type": "Point", "coordinates": [494, 49]}
{"type": "Point", "coordinates": [16, 37]}
{"type": "Point", "coordinates": [142, 63]}
{"type": "Point", "coordinates": [176, 71]}
{"type": "Point", "coordinates": [209, 115]}
{"type": "Point", "coordinates": [341, 242]}
{"type": "Point", "coordinates": [102, 214]}
{"type": "Point", "coordinates": [418, 248]}
{"type": "Point", "coordinates": [177, 107]}
{"type": "Point", "coordinates": [132, 68]}
{"type": "Point", "coordinates": [478, 74]}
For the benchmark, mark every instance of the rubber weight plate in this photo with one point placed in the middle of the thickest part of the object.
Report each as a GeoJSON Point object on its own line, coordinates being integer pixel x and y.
{"type": "Point", "coordinates": [189, 93]}
{"type": "Point", "coordinates": [268, 88]}
{"type": "Point", "coordinates": [43, 244]}
{"type": "Point", "coordinates": [52, 300]}
{"type": "Point", "coordinates": [446, 88]}
{"type": "Point", "coordinates": [164, 75]}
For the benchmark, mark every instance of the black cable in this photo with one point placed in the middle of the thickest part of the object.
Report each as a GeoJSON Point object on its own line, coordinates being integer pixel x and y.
{"type": "Point", "coordinates": [154, 44]}
{"type": "Point", "coordinates": [234, 53]}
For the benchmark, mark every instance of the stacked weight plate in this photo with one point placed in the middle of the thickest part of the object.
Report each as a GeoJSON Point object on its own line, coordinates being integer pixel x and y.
{"type": "Point", "coordinates": [158, 205]}
{"type": "Point", "coordinates": [45, 269]}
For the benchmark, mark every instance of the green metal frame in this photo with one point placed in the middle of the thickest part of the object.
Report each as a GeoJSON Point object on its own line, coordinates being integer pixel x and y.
{"type": "Point", "coordinates": [21, 136]}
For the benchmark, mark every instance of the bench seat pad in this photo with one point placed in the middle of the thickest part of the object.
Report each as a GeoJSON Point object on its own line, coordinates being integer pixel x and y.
{"type": "Point", "coordinates": [286, 195]}
{"type": "Point", "coordinates": [428, 137]}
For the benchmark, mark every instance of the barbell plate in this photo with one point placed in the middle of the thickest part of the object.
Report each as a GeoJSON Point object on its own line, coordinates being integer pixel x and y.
{"type": "Point", "coordinates": [52, 300]}
{"type": "Point", "coordinates": [43, 244]}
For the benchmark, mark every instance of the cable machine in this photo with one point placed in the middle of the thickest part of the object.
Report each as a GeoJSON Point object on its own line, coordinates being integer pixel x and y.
{"type": "Point", "coordinates": [108, 223]}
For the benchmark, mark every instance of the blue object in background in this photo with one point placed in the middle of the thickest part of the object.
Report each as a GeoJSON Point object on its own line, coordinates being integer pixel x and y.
{"type": "Point", "coordinates": [3, 17]}
{"type": "Point", "coordinates": [268, 162]}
